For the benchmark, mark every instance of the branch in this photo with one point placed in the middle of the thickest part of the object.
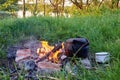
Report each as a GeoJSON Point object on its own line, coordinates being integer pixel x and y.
{"type": "Point", "coordinates": [58, 2]}
{"type": "Point", "coordinates": [78, 4]}
{"type": "Point", "coordinates": [52, 3]}
{"type": "Point", "coordinates": [51, 78]}
{"type": "Point", "coordinates": [72, 1]}
{"type": "Point", "coordinates": [63, 4]}
{"type": "Point", "coordinates": [100, 3]}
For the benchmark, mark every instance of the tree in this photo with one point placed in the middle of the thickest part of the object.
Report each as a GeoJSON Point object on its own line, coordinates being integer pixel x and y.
{"type": "Point", "coordinates": [78, 3]}
{"type": "Point", "coordinates": [117, 3]}
{"type": "Point", "coordinates": [95, 2]}
{"type": "Point", "coordinates": [100, 3]}
{"type": "Point", "coordinates": [8, 5]}
{"type": "Point", "coordinates": [55, 4]}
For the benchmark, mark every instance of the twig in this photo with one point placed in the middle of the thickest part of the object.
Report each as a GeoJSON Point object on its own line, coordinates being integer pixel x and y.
{"type": "Point", "coordinates": [49, 77]}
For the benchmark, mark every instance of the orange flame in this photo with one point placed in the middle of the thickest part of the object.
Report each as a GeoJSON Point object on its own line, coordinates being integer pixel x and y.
{"type": "Point", "coordinates": [47, 48]}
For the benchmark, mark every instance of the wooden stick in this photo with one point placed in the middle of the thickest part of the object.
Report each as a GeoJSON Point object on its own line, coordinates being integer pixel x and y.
{"type": "Point", "coordinates": [49, 77]}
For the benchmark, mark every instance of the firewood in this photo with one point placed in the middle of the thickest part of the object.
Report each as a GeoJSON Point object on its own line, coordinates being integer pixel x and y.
{"type": "Point", "coordinates": [49, 77]}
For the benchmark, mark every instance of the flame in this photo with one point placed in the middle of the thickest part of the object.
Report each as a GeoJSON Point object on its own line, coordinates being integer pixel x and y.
{"type": "Point", "coordinates": [44, 49]}
{"type": "Point", "coordinates": [63, 45]}
{"type": "Point", "coordinates": [47, 48]}
{"type": "Point", "coordinates": [55, 56]}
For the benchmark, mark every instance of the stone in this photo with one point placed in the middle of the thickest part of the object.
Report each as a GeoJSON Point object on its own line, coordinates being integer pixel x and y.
{"type": "Point", "coordinates": [29, 65]}
{"type": "Point", "coordinates": [22, 54]}
{"type": "Point", "coordinates": [49, 65]}
{"type": "Point", "coordinates": [86, 63]}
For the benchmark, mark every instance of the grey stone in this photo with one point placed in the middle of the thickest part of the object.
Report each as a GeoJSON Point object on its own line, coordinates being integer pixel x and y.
{"type": "Point", "coordinates": [86, 63]}
{"type": "Point", "coordinates": [29, 65]}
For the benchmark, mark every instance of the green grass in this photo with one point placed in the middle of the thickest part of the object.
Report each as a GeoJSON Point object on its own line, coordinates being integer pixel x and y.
{"type": "Point", "coordinates": [102, 31]}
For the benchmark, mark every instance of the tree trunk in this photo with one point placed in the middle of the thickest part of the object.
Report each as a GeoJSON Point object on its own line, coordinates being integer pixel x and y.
{"type": "Point", "coordinates": [55, 6]}
{"type": "Point", "coordinates": [44, 8]}
{"type": "Point", "coordinates": [57, 12]}
{"type": "Point", "coordinates": [87, 4]}
{"type": "Point", "coordinates": [24, 10]}
{"type": "Point", "coordinates": [35, 8]}
{"type": "Point", "coordinates": [117, 4]}
{"type": "Point", "coordinates": [63, 5]}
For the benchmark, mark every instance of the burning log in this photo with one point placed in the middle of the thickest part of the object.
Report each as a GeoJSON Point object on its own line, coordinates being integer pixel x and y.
{"type": "Point", "coordinates": [50, 53]}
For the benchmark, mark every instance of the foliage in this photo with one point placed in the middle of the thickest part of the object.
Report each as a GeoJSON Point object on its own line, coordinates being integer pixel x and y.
{"type": "Point", "coordinates": [8, 5]}
{"type": "Point", "coordinates": [79, 7]}
{"type": "Point", "coordinates": [8, 8]}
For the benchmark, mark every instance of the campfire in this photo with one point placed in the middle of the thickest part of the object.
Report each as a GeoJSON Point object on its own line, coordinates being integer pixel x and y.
{"type": "Point", "coordinates": [39, 56]}
{"type": "Point", "coordinates": [45, 56]}
{"type": "Point", "coordinates": [52, 53]}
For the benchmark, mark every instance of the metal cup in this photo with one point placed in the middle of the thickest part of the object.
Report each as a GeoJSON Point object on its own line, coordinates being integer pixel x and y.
{"type": "Point", "coordinates": [102, 57]}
